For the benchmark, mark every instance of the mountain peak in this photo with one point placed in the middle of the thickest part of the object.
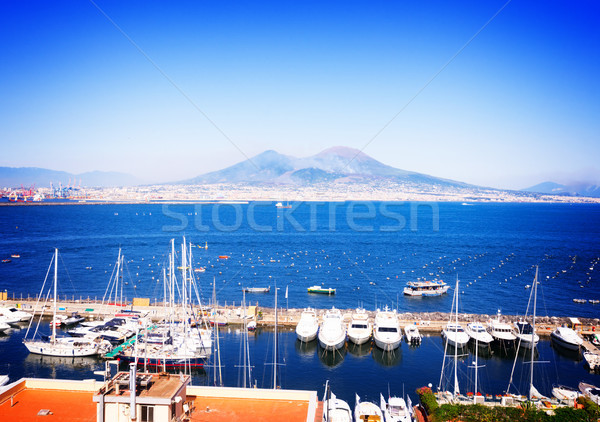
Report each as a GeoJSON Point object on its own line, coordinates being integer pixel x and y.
{"type": "Point", "coordinates": [341, 151]}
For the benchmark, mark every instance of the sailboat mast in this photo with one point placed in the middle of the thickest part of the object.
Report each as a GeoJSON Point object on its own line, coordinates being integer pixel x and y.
{"type": "Point", "coordinates": [244, 336]}
{"type": "Point", "coordinates": [117, 282]}
{"type": "Point", "coordinates": [455, 342]}
{"type": "Point", "coordinates": [535, 282]}
{"type": "Point", "coordinates": [476, 363]}
{"type": "Point", "coordinates": [55, 283]}
{"type": "Point", "coordinates": [275, 345]}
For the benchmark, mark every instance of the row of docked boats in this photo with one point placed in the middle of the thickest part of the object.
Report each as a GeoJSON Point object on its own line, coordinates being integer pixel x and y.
{"type": "Point", "coordinates": [394, 409]}
{"type": "Point", "coordinates": [333, 330]}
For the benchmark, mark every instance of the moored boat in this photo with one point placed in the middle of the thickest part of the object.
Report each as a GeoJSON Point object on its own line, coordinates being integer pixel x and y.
{"type": "Point", "coordinates": [412, 334]}
{"type": "Point", "coordinates": [502, 332]}
{"type": "Point", "coordinates": [455, 335]}
{"type": "Point", "coordinates": [16, 313]}
{"type": "Point", "coordinates": [332, 333]}
{"type": "Point", "coordinates": [367, 411]}
{"type": "Point", "coordinates": [525, 335]}
{"type": "Point", "coordinates": [386, 330]}
{"type": "Point", "coordinates": [562, 392]}
{"type": "Point", "coordinates": [395, 409]}
{"type": "Point", "coordinates": [590, 391]}
{"type": "Point", "coordinates": [567, 338]}
{"type": "Point", "coordinates": [334, 409]}
{"type": "Point", "coordinates": [593, 360]}
{"type": "Point", "coordinates": [360, 329]}
{"type": "Point", "coordinates": [477, 332]}
{"type": "Point", "coordinates": [308, 326]}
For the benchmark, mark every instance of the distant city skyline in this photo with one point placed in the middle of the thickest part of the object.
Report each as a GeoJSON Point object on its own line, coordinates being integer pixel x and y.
{"type": "Point", "coordinates": [168, 91]}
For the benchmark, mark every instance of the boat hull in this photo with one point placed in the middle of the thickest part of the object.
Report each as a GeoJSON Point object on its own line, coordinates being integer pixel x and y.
{"type": "Point", "coordinates": [359, 338]}
{"type": "Point", "coordinates": [305, 335]}
{"type": "Point", "coordinates": [47, 349]}
{"type": "Point", "coordinates": [387, 345]}
{"type": "Point", "coordinates": [563, 343]}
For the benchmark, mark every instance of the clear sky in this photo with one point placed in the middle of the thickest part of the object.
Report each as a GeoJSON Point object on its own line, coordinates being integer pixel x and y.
{"type": "Point", "coordinates": [518, 106]}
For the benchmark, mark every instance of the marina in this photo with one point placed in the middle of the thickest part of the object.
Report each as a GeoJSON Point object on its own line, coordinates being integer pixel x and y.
{"type": "Point", "coordinates": [369, 278]}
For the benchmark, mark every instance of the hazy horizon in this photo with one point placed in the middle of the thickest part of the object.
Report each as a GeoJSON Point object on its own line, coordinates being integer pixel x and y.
{"type": "Point", "coordinates": [109, 86]}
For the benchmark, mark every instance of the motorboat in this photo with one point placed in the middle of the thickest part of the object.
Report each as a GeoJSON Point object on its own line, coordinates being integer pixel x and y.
{"type": "Point", "coordinates": [321, 290]}
{"type": "Point", "coordinates": [592, 359]}
{"type": "Point", "coordinates": [257, 289]}
{"type": "Point", "coordinates": [334, 409]}
{"type": "Point", "coordinates": [455, 335]}
{"type": "Point", "coordinates": [567, 338]}
{"type": "Point", "coordinates": [524, 333]}
{"type": "Point", "coordinates": [477, 332]}
{"type": "Point", "coordinates": [590, 391]}
{"type": "Point", "coordinates": [367, 411]}
{"type": "Point", "coordinates": [426, 288]}
{"type": "Point", "coordinates": [413, 336]}
{"type": "Point", "coordinates": [308, 326]}
{"type": "Point", "coordinates": [562, 392]}
{"type": "Point", "coordinates": [4, 327]}
{"type": "Point", "coordinates": [10, 320]}
{"type": "Point", "coordinates": [502, 332]}
{"type": "Point", "coordinates": [16, 313]}
{"type": "Point", "coordinates": [395, 409]}
{"type": "Point", "coordinates": [386, 330]}
{"type": "Point", "coordinates": [360, 329]}
{"type": "Point", "coordinates": [332, 333]}
{"type": "Point", "coordinates": [67, 321]}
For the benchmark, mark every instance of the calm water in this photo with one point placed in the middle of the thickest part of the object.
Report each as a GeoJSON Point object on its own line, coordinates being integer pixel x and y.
{"type": "Point", "coordinates": [366, 251]}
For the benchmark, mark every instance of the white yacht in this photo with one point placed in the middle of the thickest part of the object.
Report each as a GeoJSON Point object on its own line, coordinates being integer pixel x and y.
{"type": "Point", "coordinates": [360, 329]}
{"type": "Point", "coordinates": [332, 334]}
{"type": "Point", "coordinates": [386, 330]}
{"type": "Point", "coordinates": [308, 326]}
{"type": "Point", "coordinates": [10, 320]}
{"type": "Point", "coordinates": [455, 335]}
{"type": "Point", "coordinates": [524, 333]}
{"type": "Point", "coordinates": [334, 409]}
{"type": "Point", "coordinates": [590, 391]}
{"type": "Point", "coordinates": [478, 333]}
{"type": "Point", "coordinates": [395, 410]}
{"type": "Point", "coordinates": [566, 338]}
{"type": "Point", "coordinates": [502, 332]}
{"type": "Point", "coordinates": [412, 334]}
{"type": "Point", "coordinates": [366, 411]}
{"type": "Point", "coordinates": [16, 313]}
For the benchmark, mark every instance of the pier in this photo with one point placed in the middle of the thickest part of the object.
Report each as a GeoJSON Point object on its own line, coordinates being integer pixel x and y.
{"type": "Point", "coordinates": [427, 322]}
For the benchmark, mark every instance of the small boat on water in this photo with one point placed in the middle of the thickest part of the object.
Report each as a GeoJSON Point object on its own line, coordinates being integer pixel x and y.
{"type": "Point", "coordinates": [6, 261]}
{"type": "Point", "coordinates": [199, 270]}
{"type": "Point", "coordinates": [593, 360]}
{"type": "Point", "coordinates": [321, 290]}
{"type": "Point", "coordinates": [15, 255]}
{"type": "Point", "coordinates": [395, 409]}
{"type": "Point", "coordinates": [367, 411]}
{"type": "Point", "coordinates": [308, 326]}
{"type": "Point", "coordinates": [386, 330]}
{"type": "Point", "coordinates": [477, 332]}
{"type": "Point", "coordinates": [567, 338]}
{"type": "Point", "coordinates": [412, 334]}
{"type": "Point", "coordinates": [257, 289]}
{"type": "Point", "coordinates": [332, 333]}
{"type": "Point", "coordinates": [426, 288]}
{"type": "Point", "coordinates": [455, 335]}
{"type": "Point", "coordinates": [562, 392]}
{"type": "Point", "coordinates": [590, 391]}
{"type": "Point", "coordinates": [360, 329]}
{"type": "Point", "coordinates": [281, 205]}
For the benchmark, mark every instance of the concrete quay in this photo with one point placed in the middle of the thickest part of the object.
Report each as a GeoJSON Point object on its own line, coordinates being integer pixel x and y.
{"type": "Point", "coordinates": [428, 322]}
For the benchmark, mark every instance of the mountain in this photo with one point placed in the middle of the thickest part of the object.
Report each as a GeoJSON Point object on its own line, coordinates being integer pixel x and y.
{"type": "Point", "coordinates": [572, 189]}
{"type": "Point", "coordinates": [13, 177]}
{"type": "Point", "coordinates": [334, 165]}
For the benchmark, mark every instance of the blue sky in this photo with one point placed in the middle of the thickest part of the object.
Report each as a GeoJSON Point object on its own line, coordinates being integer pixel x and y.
{"type": "Point", "coordinates": [518, 106]}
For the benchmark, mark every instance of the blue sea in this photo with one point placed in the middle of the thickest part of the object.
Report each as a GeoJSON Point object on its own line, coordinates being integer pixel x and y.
{"type": "Point", "coordinates": [367, 251]}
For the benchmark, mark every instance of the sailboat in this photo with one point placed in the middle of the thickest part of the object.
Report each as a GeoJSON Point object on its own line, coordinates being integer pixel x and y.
{"type": "Point", "coordinates": [61, 346]}
{"type": "Point", "coordinates": [455, 332]}
{"type": "Point", "coordinates": [533, 393]}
